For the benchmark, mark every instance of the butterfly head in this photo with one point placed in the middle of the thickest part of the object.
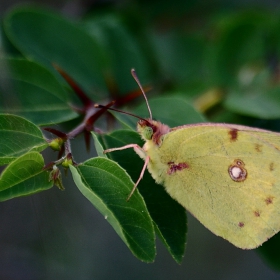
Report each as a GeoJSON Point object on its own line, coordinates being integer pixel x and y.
{"type": "Point", "coordinates": [152, 130]}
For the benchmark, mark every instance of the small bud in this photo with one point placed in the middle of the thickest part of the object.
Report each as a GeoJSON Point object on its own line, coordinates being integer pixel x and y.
{"type": "Point", "coordinates": [67, 162]}
{"type": "Point", "coordinates": [56, 144]}
{"type": "Point", "coordinates": [55, 176]}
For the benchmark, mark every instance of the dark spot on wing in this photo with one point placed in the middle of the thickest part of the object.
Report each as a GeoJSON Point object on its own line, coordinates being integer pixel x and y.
{"type": "Point", "coordinates": [233, 134]}
{"type": "Point", "coordinates": [176, 167]}
{"type": "Point", "coordinates": [257, 213]}
{"type": "Point", "coordinates": [241, 224]}
{"type": "Point", "coordinates": [258, 148]}
{"type": "Point", "coordinates": [269, 200]}
{"type": "Point", "coordinates": [271, 166]}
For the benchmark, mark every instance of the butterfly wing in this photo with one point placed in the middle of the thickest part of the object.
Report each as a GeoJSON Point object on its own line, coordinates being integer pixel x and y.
{"type": "Point", "coordinates": [228, 177]}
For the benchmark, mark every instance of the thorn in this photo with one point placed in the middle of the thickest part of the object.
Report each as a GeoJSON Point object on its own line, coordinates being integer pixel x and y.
{"type": "Point", "coordinates": [77, 89]}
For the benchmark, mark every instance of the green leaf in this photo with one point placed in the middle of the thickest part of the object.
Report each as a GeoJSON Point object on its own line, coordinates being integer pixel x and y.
{"type": "Point", "coordinates": [179, 55]}
{"type": "Point", "coordinates": [24, 176]}
{"type": "Point", "coordinates": [169, 217]}
{"type": "Point", "coordinates": [258, 103]}
{"type": "Point", "coordinates": [109, 30]}
{"type": "Point", "coordinates": [255, 98]}
{"type": "Point", "coordinates": [106, 185]}
{"type": "Point", "coordinates": [18, 136]}
{"type": "Point", "coordinates": [173, 111]}
{"type": "Point", "coordinates": [98, 146]}
{"type": "Point", "coordinates": [30, 90]}
{"type": "Point", "coordinates": [242, 39]}
{"type": "Point", "coordinates": [48, 37]}
{"type": "Point", "coordinates": [126, 121]}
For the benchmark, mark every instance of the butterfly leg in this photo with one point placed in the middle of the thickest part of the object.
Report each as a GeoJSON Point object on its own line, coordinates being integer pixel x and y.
{"type": "Point", "coordinates": [122, 148]}
{"type": "Point", "coordinates": [140, 177]}
{"type": "Point", "coordinates": [139, 151]}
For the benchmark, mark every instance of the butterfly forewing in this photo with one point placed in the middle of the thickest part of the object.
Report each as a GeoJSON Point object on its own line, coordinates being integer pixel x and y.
{"type": "Point", "coordinates": [228, 177]}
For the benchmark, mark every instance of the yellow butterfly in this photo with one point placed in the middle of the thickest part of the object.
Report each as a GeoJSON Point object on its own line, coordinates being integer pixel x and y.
{"type": "Point", "coordinates": [227, 176]}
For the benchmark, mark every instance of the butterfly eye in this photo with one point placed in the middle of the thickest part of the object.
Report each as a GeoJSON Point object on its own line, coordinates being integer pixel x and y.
{"type": "Point", "coordinates": [148, 133]}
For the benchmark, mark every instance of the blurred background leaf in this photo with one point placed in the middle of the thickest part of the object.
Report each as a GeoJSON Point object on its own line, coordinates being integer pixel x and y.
{"type": "Point", "coordinates": [30, 90]}
{"type": "Point", "coordinates": [220, 56]}
{"type": "Point", "coordinates": [49, 38]}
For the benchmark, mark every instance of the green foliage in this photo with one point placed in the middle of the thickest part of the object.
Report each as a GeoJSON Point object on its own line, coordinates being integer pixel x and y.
{"type": "Point", "coordinates": [106, 185]}
{"type": "Point", "coordinates": [168, 216]}
{"type": "Point", "coordinates": [45, 36]}
{"type": "Point", "coordinates": [24, 176]}
{"type": "Point", "coordinates": [257, 98]}
{"type": "Point", "coordinates": [18, 136]}
{"type": "Point", "coordinates": [34, 93]}
{"type": "Point", "coordinates": [226, 70]}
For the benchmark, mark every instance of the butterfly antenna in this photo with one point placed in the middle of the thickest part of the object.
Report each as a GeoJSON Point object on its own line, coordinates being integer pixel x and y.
{"type": "Point", "coordinates": [134, 75]}
{"type": "Point", "coordinates": [120, 111]}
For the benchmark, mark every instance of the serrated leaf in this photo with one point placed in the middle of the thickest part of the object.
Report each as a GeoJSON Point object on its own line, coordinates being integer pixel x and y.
{"type": "Point", "coordinates": [30, 90]}
{"type": "Point", "coordinates": [48, 37]}
{"type": "Point", "coordinates": [169, 217]}
{"type": "Point", "coordinates": [18, 136]}
{"type": "Point", "coordinates": [24, 176]}
{"type": "Point", "coordinates": [106, 185]}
